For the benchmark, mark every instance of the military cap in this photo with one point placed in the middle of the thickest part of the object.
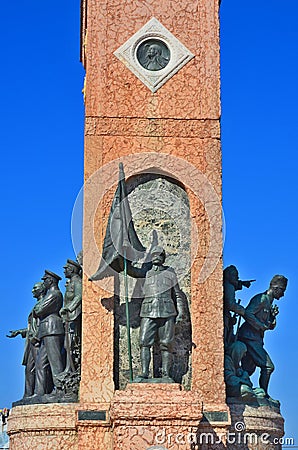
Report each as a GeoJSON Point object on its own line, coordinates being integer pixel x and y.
{"type": "Point", "coordinates": [73, 263]}
{"type": "Point", "coordinates": [51, 274]}
{"type": "Point", "coordinates": [158, 250]}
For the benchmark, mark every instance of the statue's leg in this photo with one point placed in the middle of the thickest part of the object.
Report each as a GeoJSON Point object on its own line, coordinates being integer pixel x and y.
{"type": "Point", "coordinates": [261, 359]}
{"type": "Point", "coordinates": [264, 379]}
{"type": "Point", "coordinates": [267, 368]}
{"type": "Point", "coordinates": [145, 361]}
{"type": "Point", "coordinates": [54, 346]}
{"type": "Point", "coordinates": [147, 333]}
{"type": "Point", "coordinates": [30, 373]}
{"type": "Point", "coordinates": [166, 356]}
{"type": "Point", "coordinates": [166, 333]}
{"type": "Point", "coordinates": [248, 361]}
{"type": "Point", "coordinates": [41, 370]}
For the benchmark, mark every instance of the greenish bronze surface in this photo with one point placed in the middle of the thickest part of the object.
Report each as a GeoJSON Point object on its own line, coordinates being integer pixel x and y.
{"type": "Point", "coordinates": [54, 330]}
{"type": "Point", "coordinates": [153, 54]}
{"type": "Point", "coordinates": [49, 361]}
{"type": "Point", "coordinates": [231, 285]}
{"type": "Point", "coordinates": [32, 343]}
{"type": "Point", "coordinates": [260, 316]}
{"type": "Point", "coordinates": [161, 308]}
{"type": "Point", "coordinates": [71, 313]}
{"type": "Point", "coordinates": [237, 380]}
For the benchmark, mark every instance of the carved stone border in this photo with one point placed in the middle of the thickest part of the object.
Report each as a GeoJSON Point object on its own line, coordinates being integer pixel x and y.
{"type": "Point", "coordinates": [153, 29]}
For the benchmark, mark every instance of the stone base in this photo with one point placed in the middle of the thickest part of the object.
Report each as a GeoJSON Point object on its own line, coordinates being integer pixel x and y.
{"type": "Point", "coordinates": [165, 416]}
{"type": "Point", "coordinates": [254, 427]}
{"type": "Point", "coordinates": [43, 427]}
{"type": "Point", "coordinates": [46, 399]}
{"type": "Point", "coordinates": [143, 416]}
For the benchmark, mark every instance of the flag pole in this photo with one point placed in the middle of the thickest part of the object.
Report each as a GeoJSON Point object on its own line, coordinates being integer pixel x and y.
{"type": "Point", "coordinates": [127, 318]}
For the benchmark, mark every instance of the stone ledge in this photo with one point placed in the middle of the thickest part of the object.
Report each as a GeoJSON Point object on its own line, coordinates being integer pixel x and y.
{"type": "Point", "coordinates": [259, 422]}
{"type": "Point", "coordinates": [162, 403]}
{"type": "Point", "coordinates": [135, 126]}
{"type": "Point", "coordinates": [49, 418]}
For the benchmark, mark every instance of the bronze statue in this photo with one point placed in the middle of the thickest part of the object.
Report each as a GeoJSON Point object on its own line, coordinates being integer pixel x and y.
{"type": "Point", "coordinates": [71, 313]}
{"type": "Point", "coordinates": [237, 380]}
{"type": "Point", "coordinates": [32, 342]}
{"type": "Point", "coordinates": [260, 316]}
{"type": "Point", "coordinates": [231, 285]}
{"type": "Point", "coordinates": [50, 335]}
{"type": "Point", "coordinates": [161, 308]}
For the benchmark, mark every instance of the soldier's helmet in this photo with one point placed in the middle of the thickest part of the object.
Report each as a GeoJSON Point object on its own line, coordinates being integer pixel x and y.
{"type": "Point", "coordinates": [158, 250]}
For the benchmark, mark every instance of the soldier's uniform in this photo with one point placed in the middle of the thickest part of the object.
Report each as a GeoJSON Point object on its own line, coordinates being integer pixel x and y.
{"type": "Point", "coordinates": [159, 307]}
{"type": "Point", "coordinates": [260, 316]}
{"type": "Point", "coordinates": [51, 336]}
{"type": "Point", "coordinates": [163, 300]}
{"type": "Point", "coordinates": [30, 353]}
{"type": "Point", "coordinates": [230, 304]}
{"type": "Point", "coordinates": [258, 319]}
{"type": "Point", "coordinates": [73, 302]}
{"type": "Point", "coordinates": [73, 307]}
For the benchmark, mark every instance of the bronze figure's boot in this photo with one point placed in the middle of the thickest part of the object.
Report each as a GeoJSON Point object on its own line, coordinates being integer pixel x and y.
{"type": "Point", "coordinates": [145, 361]}
{"type": "Point", "coordinates": [166, 358]}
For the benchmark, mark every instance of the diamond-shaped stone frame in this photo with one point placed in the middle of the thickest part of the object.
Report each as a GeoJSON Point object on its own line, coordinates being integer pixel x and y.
{"type": "Point", "coordinates": [153, 29]}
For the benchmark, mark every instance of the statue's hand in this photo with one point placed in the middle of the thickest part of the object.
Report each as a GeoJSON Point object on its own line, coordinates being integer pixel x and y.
{"type": "Point", "coordinates": [64, 312]}
{"type": "Point", "coordinates": [239, 372]}
{"type": "Point", "coordinates": [247, 382]}
{"type": "Point", "coordinates": [35, 341]}
{"type": "Point", "coordinates": [272, 325]}
{"type": "Point", "coordinates": [246, 284]}
{"type": "Point", "coordinates": [13, 333]}
{"type": "Point", "coordinates": [275, 310]}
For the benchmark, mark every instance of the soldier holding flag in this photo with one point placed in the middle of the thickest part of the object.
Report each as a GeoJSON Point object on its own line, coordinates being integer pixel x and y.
{"type": "Point", "coordinates": [161, 308]}
{"type": "Point", "coordinates": [163, 300]}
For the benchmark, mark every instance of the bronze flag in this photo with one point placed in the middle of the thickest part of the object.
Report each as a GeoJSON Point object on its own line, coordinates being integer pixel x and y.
{"type": "Point", "coordinates": [121, 237]}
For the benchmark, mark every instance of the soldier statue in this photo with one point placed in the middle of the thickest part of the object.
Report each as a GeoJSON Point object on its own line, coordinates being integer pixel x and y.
{"type": "Point", "coordinates": [260, 316]}
{"type": "Point", "coordinates": [71, 314]}
{"type": "Point", "coordinates": [161, 308]}
{"type": "Point", "coordinates": [32, 342]}
{"type": "Point", "coordinates": [50, 335]}
{"type": "Point", "coordinates": [231, 285]}
{"type": "Point", "coordinates": [237, 380]}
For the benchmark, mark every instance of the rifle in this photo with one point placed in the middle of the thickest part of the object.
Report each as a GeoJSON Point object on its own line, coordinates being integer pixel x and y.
{"type": "Point", "coordinates": [238, 322]}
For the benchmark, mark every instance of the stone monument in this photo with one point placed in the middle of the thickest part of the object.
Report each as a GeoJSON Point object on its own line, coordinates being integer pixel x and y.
{"type": "Point", "coordinates": [152, 103]}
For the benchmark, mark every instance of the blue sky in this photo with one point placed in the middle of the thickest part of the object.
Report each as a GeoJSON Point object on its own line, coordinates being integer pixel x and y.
{"type": "Point", "coordinates": [41, 137]}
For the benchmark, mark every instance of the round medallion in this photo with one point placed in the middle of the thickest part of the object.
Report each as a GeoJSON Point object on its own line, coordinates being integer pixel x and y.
{"type": "Point", "coordinates": [153, 54]}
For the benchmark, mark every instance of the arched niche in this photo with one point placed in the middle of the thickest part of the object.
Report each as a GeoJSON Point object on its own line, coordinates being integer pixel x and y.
{"type": "Point", "coordinates": [160, 210]}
